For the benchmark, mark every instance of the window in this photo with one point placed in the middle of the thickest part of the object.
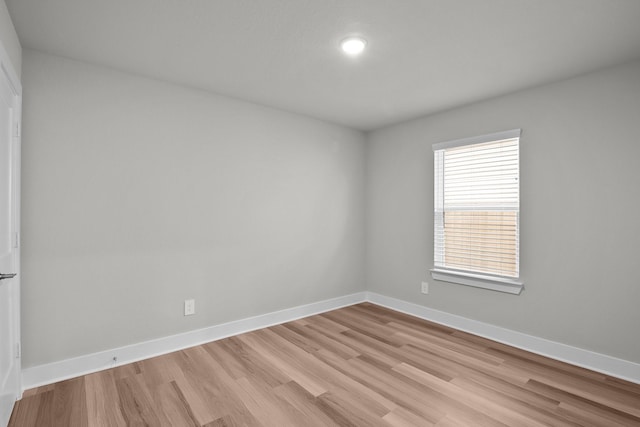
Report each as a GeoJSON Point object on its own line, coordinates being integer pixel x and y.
{"type": "Point", "coordinates": [477, 211]}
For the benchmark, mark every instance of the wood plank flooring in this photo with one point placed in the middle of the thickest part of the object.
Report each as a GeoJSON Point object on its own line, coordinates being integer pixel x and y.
{"type": "Point", "coordinates": [358, 366]}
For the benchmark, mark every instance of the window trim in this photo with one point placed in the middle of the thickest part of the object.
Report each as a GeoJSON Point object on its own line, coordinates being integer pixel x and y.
{"type": "Point", "coordinates": [485, 281]}
{"type": "Point", "coordinates": [494, 283]}
{"type": "Point", "coordinates": [507, 134]}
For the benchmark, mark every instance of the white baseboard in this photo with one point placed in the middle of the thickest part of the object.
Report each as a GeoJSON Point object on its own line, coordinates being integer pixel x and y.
{"type": "Point", "coordinates": [608, 365]}
{"type": "Point", "coordinates": [69, 368]}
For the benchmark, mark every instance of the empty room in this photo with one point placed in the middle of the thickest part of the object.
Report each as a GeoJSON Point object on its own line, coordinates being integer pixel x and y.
{"type": "Point", "coordinates": [319, 213]}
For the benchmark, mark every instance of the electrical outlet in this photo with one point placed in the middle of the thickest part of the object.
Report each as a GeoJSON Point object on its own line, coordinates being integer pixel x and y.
{"type": "Point", "coordinates": [189, 307]}
{"type": "Point", "coordinates": [425, 287]}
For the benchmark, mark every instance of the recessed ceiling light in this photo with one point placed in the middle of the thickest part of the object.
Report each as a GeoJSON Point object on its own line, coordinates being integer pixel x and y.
{"type": "Point", "coordinates": [353, 45]}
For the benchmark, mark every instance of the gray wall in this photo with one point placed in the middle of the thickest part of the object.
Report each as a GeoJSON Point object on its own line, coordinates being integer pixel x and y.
{"type": "Point", "coordinates": [139, 194]}
{"type": "Point", "coordinates": [9, 38]}
{"type": "Point", "coordinates": [580, 203]}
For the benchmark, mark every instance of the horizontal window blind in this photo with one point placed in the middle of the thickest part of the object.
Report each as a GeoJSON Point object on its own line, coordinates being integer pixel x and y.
{"type": "Point", "coordinates": [476, 207]}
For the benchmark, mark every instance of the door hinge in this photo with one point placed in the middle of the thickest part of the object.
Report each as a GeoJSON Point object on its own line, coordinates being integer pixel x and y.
{"type": "Point", "coordinates": [16, 130]}
{"type": "Point", "coordinates": [18, 351]}
{"type": "Point", "coordinates": [16, 244]}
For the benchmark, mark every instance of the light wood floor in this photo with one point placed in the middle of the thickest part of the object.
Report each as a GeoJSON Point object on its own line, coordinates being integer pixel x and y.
{"type": "Point", "coordinates": [358, 366]}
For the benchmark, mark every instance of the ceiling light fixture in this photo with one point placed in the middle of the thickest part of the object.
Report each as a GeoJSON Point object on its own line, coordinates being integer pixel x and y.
{"type": "Point", "coordinates": [353, 45]}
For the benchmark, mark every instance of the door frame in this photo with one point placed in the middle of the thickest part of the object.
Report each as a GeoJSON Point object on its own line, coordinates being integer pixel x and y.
{"type": "Point", "coordinates": [7, 72]}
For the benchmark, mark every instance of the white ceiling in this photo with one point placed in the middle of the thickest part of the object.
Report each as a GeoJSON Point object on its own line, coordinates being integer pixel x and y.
{"type": "Point", "coordinates": [423, 56]}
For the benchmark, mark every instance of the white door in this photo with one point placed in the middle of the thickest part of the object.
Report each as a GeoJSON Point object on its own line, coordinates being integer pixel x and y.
{"type": "Point", "coordinates": [9, 251]}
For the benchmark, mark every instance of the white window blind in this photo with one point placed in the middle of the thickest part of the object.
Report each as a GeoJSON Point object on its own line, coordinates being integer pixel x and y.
{"type": "Point", "coordinates": [477, 205]}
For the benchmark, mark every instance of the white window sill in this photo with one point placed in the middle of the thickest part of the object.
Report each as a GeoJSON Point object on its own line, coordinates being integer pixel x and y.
{"type": "Point", "coordinates": [511, 286]}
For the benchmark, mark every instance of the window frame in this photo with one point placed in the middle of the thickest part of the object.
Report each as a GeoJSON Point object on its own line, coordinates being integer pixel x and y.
{"type": "Point", "coordinates": [512, 285]}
